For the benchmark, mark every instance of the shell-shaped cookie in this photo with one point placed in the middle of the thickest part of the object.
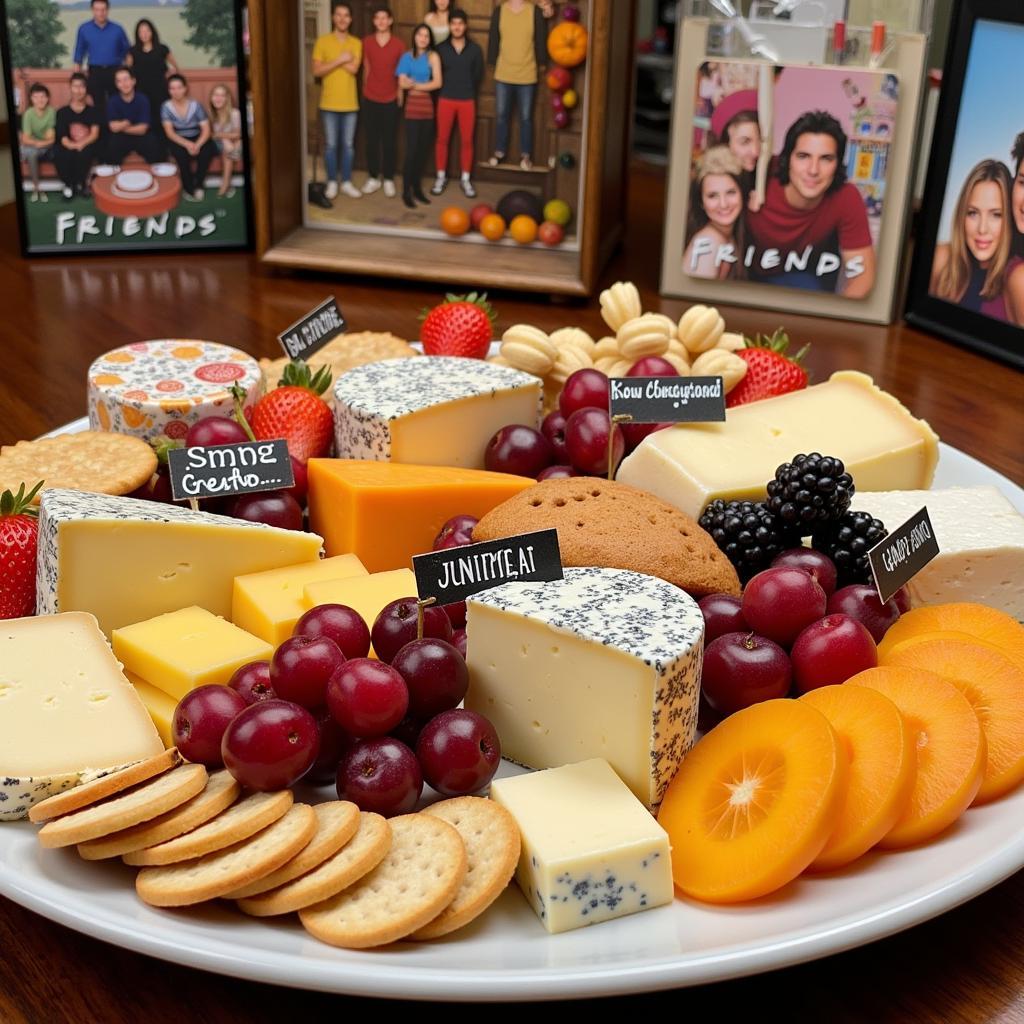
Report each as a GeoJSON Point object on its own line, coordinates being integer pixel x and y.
{"type": "Point", "coordinates": [620, 304]}
{"type": "Point", "coordinates": [670, 324]}
{"type": "Point", "coordinates": [716, 362]}
{"type": "Point", "coordinates": [605, 348]}
{"type": "Point", "coordinates": [528, 348]}
{"type": "Point", "coordinates": [679, 363]}
{"type": "Point", "coordinates": [731, 341]}
{"type": "Point", "coordinates": [575, 337]}
{"type": "Point", "coordinates": [605, 363]}
{"type": "Point", "coordinates": [699, 328]}
{"type": "Point", "coordinates": [621, 368]}
{"type": "Point", "coordinates": [645, 335]}
{"type": "Point", "coordinates": [570, 359]}
{"type": "Point", "coordinates": [499, 360]}
{"type": "Point", "coordinates": [678, 349]}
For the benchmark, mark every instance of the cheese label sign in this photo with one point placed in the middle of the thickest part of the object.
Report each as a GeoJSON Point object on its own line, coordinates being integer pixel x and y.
{"type": "Point", "coordinates": [897, 558]}
{"type": "Point", "coordinates": [223, 469]}
{"type": "Point", "coordinates": [313, 331]}
{"type": "Point", "coordinates": [457, 573]}
{"type": "Point", "coordinates": [667, 399]}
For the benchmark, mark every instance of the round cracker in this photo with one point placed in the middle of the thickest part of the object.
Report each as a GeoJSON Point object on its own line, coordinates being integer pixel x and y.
{"type": "Point", "coordinates": [206, 878]}
{"type": "Point", "coordinates": [492, 849]}
{"type": "Point", "coordinates": [143, 803]}
{"type": "Point", "coordinates": [336, 824]}
{"type": "Point", "coordinates": [238, 822]}
{"type": "Point", "coordinates": [106, 785]}
{"type": "Point", "coordinates": [361, 854]}
{"type": "Point", "coordinates": [90, 460]}
{"type": "Point", "coordinates": [221, 792]}
{"type": "Point", "coordinates": [417, 879]}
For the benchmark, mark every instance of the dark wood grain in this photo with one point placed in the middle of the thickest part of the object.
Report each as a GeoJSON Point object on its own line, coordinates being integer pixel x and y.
{"type": "Point", "coordinates": [55, 317]}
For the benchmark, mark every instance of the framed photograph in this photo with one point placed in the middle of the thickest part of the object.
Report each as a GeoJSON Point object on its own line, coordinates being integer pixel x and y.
{"type": "Point", "coordinates": [128, 124]}
{"type": "Point", "coordinates": [788, 183]}
{"type": "Point", "coordinates": [967, 282]}
{"type": "Point", "coordinates": [474, 141]}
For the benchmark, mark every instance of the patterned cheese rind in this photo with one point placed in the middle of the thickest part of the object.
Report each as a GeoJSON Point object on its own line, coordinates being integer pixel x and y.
{"type": "Point", "coordinates": [58, 506]}
{"type": "Point", "coordinates": [642, 616]}
{"type": "Point", "coordinates": [369, 398]}
{"type": "Point", "coordinates": [154, 389]}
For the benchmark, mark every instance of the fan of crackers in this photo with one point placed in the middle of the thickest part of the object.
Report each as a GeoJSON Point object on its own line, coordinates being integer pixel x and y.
{"type": "Point", "coordinates": [355, 879]}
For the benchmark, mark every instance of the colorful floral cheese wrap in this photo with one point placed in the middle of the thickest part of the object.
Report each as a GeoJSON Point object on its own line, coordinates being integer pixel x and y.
{"type": "Point", "coordinates": [157, 389]}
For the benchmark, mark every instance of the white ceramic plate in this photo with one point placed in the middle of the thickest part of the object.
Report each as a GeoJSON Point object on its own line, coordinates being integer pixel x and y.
{"type": "Point", "coordinates": [164, 170]}
{"type": "Point", "coordinates": [134, 181]}
{"type": "Point", "coordinates": [507, 955]}
{"type": "Point", "coordinates": [105, 170]}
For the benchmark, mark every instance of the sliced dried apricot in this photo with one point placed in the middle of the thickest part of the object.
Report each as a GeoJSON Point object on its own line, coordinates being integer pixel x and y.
{"type": "Point", "coordinates": [754, 802]}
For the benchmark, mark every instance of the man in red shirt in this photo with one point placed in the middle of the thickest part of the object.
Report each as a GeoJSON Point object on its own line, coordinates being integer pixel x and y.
{"type": "Point", "coordinates": [812, 231]}
{"type": "Point", "coordinates": [381, 53]}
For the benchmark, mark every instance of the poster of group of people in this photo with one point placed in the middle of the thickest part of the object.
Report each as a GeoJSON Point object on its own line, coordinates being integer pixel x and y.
{"type": "Point", "coordinates": [128, 123]}
{"type": "Point", "coordinates": [788, 175]}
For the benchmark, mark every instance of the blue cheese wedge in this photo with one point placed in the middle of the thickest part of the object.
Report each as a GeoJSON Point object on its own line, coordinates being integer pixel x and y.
{"type": "Point", "coordinates": [438, 411]}
{"type": "Point", "coordinates": [604, 663]}
{"type": "Point", "coordinates": [590, 851]}
{"type": "Point", "coordinates": [126, 560]}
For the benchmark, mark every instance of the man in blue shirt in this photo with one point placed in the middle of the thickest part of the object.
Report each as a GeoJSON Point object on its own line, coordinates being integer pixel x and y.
{"type": "Point", "coordinates": [104, 45]}
{"type": "Point", "coordinates": [128, 121]}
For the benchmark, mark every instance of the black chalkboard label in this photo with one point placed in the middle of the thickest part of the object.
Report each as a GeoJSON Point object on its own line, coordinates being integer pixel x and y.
{"type": "Point", "coordinates": [457, 573]}
{"type": "Point", "coordinates": [230, 469]}
{"type": "Point", "coordinates": [899, 557]}
{"type": "Point", "coordinates": [313, 331]}
{"type": "Point", "coordinates": [667, 399]}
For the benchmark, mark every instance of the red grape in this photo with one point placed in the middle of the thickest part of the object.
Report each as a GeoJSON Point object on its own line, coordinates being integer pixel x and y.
{"type": "Point", "coordinates": [741, 669]}
{"type": "Point", "coordinates": [460, 526]}
{"type": "Point", "coordinates": [459, 641]}
{"type": "Point", "coordinates": [830, 651]}
{"type": "Point", "coordinates": [817, 563]}
{"type": "Point", "coordinates": [652, 366]}
{"type": "Point", "coordinates": [214, 430]}
{"type": "Point", "coordinates": [300, 488]}
{"type": "Point", "coordinates": [778, 603]}
{"type": "Point", "coordinates": [337, 622]}
{"type": "Point", "coordinates": [407, 731]}
{"type": "Point", "coordinates": [459, 752]}
{"type": "Point", "coordinates": [518, 449]}
{"type": "Point", "coordinates": [722, 613]}
{"type": "Point", "coordinates": [456, 613]}
{"type": "Point", "coordinates": [584, 389]}
{"type": "Point", "coordinates": [395, 626]}
{"type": "Point", "coordinates": [367, 698]}
{"type": "Point", "coordinates": [334, 741]}
{"type": "Point", "coordinates": [271, 745]}
{"type": "Point", "coordinates": [902, 599]}
{"type": "Point", "coordinates": [553, 428]}
{"type": "Point", "coordinates": [301, 667]}
{"type": "Point", "coordinates": [556, 473]}
{"type": "Point", "coordinates": [274, 508]}
{"type": "Point", "coordinates": [586, 437]}
{"type": "Point", "coordinates": [200, 719]}
{"type": "Point", "coordinates": [380, 775]}
{"type": "Point", "coordinates": [435, 673]}
{"type": "Point", "coordinates": [252, 681]}
{"type": "Point", "coordinates": [861, 602]}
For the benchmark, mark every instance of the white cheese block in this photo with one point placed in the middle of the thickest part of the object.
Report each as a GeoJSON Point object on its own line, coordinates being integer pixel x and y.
{"type": "Point", "coordinates": [66, 709]}
{"type": "Point", "coordinates": [126, 560]}
{"type": "Point", "coordinates": [981, 544]}
{"type": "Point", "coordinates": [438, 411]}
{"type": "Point", "coordinates": [604, 663]}
{"type": "Point", "coordinates": [590, 851]}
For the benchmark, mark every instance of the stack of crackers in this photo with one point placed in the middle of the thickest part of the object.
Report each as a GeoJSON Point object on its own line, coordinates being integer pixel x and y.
{"type": "Point", "coordinates": [356, 879]}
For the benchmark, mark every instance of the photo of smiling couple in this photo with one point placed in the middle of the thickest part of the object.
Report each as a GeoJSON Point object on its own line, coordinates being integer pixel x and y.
{"type": "Point", "coordinates": [783, 193]}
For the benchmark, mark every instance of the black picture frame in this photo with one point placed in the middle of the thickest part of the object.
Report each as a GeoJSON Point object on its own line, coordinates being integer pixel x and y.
{"type": "Point", "coordinates": [983, 333]}
{"type": "Point", "coordinates": [240, 86]}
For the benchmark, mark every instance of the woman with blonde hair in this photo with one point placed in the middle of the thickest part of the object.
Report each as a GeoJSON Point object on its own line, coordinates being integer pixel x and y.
{"type": "Point", "coordinates": [226, 122]}
{"type": "Point", "coordinates": [975, 268]}
{"type": "Point", "coordinates": [715, 217]}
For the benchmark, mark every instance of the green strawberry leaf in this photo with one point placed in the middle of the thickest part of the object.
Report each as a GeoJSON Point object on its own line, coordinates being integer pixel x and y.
{"type": "Point", "coordinates": [19, 504]}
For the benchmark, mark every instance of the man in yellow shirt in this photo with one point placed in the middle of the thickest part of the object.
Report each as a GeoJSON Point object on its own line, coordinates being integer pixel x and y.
{"type": "Point", "coordinates": [336, 60]}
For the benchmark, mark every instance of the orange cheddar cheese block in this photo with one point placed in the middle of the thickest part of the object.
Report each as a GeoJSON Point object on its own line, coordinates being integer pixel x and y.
{"type": "Point", "coordinates": [386, 512]}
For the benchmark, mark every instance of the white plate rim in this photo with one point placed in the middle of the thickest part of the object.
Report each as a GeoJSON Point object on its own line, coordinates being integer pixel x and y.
{"type": "Point", "coordinates": [384, 975]}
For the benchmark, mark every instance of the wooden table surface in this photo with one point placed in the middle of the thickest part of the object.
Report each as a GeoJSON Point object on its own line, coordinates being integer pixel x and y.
{"type": "Point", "coordinates": [57, 315]}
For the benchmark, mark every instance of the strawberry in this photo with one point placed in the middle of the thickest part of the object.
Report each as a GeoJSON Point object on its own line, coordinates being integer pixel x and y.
{"type": "Point", "coordinates": [462, 325]}
{"type": "Point", "coordinates": [770, 370]}
{"type": "Point", "coordinates": [19, 529]}
{"type": "Point", "coordinates": [296, 412]}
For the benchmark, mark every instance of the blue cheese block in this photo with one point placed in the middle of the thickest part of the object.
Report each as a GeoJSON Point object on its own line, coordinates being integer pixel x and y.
{"type": "Point", "coordinates": [590, 851]}
{"type": "Point", "coordinates": [438, 411]}
{"type": "Point", "coordinates": [604, 663]}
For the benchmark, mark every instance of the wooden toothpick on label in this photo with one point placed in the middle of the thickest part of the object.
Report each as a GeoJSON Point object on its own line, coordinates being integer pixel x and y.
{"type": "Point", "coordinates": [622, 417]}
{"type": "Point", "coordinates": [193, 503]}
{"type": "Point", "coordinates": [420, 605]}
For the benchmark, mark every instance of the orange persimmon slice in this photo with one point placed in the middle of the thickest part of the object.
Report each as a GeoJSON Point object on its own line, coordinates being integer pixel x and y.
{"type": "Point", "coordinates": [950, 748]}
{"type": "Point", "coordinates": [883, 766]}
{"type": "Point", "coordinates": [992, 684]}
{"type": "Point", "coordinates": [754, 802]}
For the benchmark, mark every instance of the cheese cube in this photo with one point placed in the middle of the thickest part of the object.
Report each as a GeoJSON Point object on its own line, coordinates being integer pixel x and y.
{"type": "Point", "coordinates": [386, 512]}
{"type": "Point", "coordinates": [159, 705]}
{"type": "Point", "coordinates": [590, 851]}
{"type": "Point", "coordinates": [883, 446]}
{"type": "Point", "coordinates": [981, 544]}
{"type": "Point", "coordinates": [66, 709]}
{"type": "Point", "coordinates": [125, 560]}
{"type": "Point", "coordinates": [366, 594]}
{"type": "Point", "coordinates": [604, 663]}
{"type": "Point", "coordinates": [268, 604]}
{"type": "Point", "coordinates": [181, 650]}
{"type": "Point", "coordinates": [439, 411]}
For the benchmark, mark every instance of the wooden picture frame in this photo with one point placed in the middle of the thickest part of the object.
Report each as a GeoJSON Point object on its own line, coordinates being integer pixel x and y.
{"type": "Point", "coordinates": [598, 138]}
{"type": "Point", "coordinates": [975, 127]}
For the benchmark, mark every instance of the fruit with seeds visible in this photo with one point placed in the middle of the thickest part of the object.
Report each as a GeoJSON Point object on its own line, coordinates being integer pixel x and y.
{"type": "Point", "coordinates": [296, 412]}
{"type": "Point", "coordinates": [770, 370]}
{"type": "Point", "coordinates": [19, 529]}
{"type": "Point", "coordinates": [463, 325]}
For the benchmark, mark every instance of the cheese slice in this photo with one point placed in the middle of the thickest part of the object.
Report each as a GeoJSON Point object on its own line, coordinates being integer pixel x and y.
{"type": "Point", "coordinates": [590, 851]}
{"type": "Point", "coordinates": [159, 705]}
{"type": "Point", "coordinates": [604, 663]}
{"type": "Point", "coordinates": [181, 650]}
{"type": "Point", "coordinates": [439, 411]}
{"type": "Point", "coordinates": [386, 512]}
{"type": "Point", "coordinates": [981, 544]}
{"type": "Point", "coordinates": [66, 709]}
{"type": "Point", "coordinates": [125, 560]}
{"type": "Point", "coordinates": [884, 447]}
{"type": "Point", "coordinates": [268, 604]}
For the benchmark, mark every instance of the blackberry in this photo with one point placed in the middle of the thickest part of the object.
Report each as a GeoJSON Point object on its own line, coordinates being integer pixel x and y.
{"type": "Point", "coordinates": [811, 490]}
{"type": "Point", "coordinates": [847, 542]}
{"type": "Point", "coordinates": [748, 534]}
